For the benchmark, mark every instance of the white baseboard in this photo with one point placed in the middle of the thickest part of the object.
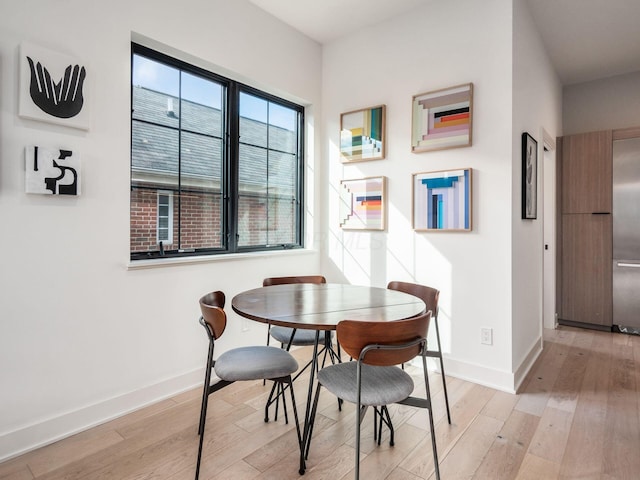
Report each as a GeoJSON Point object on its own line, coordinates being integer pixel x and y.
{"type": "Point", "coordinates": [472, 372]}
{"type": "Point", "coordinates": [43, 433]}
{"type": "Point", "coordinates": [527, 363]}
{"type": "Point", "coordinates": [489, 377]}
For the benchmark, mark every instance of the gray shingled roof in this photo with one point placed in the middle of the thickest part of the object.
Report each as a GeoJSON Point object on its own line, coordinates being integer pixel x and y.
{"type": "Point", "coordinates": [154, 148]}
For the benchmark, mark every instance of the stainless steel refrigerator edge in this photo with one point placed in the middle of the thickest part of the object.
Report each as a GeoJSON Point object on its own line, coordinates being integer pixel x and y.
{"type": "Point", "coordinates": [626, 235]}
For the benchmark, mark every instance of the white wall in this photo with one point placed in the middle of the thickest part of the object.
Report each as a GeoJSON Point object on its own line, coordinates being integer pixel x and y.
{"type": "Point", "coordinates": [537, 100]}
{"type": "Point", "coordinates": [441, 45]}
{"type": "Point", "coordinates": [604, 104]}
{"type": "Point", "coordinates": [82, 337]}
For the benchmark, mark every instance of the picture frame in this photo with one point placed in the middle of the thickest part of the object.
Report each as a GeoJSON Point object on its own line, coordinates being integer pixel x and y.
{"type": "Point", "coordinates": [442, 119]}
{"type": "Point", "coordinates": [363, 134]}
{"type": "Point", "coordinates": [363, 203]}
{"type": "Point", "coordinates": [529, 177]}
{"type": "Point", "coordinates": [52, 171]}
{"type": "Point", "coordinates": [53, 87]}
{"type": "Point", "coordinates": [442, 201]}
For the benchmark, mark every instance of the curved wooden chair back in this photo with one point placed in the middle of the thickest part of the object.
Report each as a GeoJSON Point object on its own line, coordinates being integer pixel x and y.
{"type": "Point", "coordinates": [428, 295]}
{"type": "Point", "coordinates": [213, 314]}
{"type": "Point", "coordinates": [407, 335]}
{"type": "Point", "coordinates": [267, 282]}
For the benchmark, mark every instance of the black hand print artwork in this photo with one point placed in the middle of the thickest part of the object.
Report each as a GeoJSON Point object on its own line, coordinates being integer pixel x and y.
{"type": "Point", "coordinates": [63, 99]}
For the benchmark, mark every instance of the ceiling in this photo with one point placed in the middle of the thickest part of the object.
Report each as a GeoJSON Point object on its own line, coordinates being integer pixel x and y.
{"type": "Point", "coordinates": [585, 39]}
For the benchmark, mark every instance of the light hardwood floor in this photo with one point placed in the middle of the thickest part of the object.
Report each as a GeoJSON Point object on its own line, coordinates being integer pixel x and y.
{"type": "Point", "coordinates": [577, 416]}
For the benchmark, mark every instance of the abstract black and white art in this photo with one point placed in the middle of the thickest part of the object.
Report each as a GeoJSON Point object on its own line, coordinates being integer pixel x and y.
{"type": "Point", "coordinates": [53, 87]}
{"type": "Point", "coordinates": [52, 171]}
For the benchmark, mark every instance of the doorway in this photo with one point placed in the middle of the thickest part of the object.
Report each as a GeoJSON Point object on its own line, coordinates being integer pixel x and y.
{"type": "Point", "coordinates": [549, 231]}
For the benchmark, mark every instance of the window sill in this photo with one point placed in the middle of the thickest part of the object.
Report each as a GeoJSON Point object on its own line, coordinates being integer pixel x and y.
{"type": "Point", "coordinates": [169, 262]}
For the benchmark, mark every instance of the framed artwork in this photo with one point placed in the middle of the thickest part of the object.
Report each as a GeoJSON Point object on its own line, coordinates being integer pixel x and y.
{"type": "Point", "coordinates": [529, 177]}
{"type": "Point", "coordinates": [362, 203]}
{"type": "Point", "coordinates": [52, 171]}
{"type": "Point", "coordinates": [52, 87]}
{"type": "Point", "coordinates": [442, 119]}
{"type": "Point", "coordinates": [442, 200]}
{"type": "Point", "coordinates": [362, 134]}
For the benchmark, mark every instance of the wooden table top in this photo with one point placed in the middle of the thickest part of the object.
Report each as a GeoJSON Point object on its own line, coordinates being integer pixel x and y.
{"type": "Point", "coordinates": [322, 306]}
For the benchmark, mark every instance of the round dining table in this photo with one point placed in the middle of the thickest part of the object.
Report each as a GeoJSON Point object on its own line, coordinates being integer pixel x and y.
{"type": "Point", "coordinates": [321, 307]}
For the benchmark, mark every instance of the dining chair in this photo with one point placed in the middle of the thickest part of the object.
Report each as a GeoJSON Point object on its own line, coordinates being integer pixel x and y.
{"type": "Point", "coordinates": [430, 297]}
{"type": "Point", "coordinates": [283, 334]}
{"type": "Point", "coordinates": [375, 379]}
{"type": "Point", "coordinates": [243, 363]}
{"type": "Point", "coordinates": [299, 337]}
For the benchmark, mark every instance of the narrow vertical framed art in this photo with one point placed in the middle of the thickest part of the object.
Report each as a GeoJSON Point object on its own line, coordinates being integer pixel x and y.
{"type": "Point", "coordinates": [442, 201]}
{"type": "Point", "coordinates": [529, 177]}
{"type": "Point", "coordinates": [362, 203]}
{"type": "Point", "coordinates": [362, 134]}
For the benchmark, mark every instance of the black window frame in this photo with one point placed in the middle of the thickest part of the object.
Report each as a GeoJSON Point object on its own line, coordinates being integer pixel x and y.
{"type": "Point", "coordinates": [230, 163]}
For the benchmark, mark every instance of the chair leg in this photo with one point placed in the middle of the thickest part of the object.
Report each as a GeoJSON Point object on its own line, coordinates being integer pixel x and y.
{"type": "Point", "coordinates": [312, 418]}
{"type": "Point", "coordinates": [199, 454]}
{"type": "Point", "coordinates": [295, 409]}
{"type": "Point", "coordinates": [431, 427]}
{"type": "Point", "coordinates": [362, 410]}
{"type": "Point", "coordinates": [205, 390]}
{"type": "Point", "coordinates": [444, 381]}
{"type": "Point", "coordinates": [203, 408]}
{"type": "Point", "coordinates": [271, 400]}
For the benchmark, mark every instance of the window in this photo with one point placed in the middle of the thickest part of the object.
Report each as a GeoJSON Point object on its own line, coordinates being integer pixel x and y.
{"type": "Point", "coordinates": [165, 218]}
{"type": "Point", "coordinates": [216, 166]}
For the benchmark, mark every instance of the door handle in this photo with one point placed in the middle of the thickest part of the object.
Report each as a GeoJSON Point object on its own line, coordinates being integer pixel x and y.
{"type": "Point", "coordinates": [631, 265]}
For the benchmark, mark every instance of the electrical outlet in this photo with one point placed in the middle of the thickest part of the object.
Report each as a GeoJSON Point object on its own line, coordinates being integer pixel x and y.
{"type": "Point", "coordinates": [486, 336]}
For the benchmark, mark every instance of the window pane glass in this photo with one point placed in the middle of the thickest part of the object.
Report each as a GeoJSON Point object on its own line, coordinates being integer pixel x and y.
{"type": "Point", "coordinates": [153, 149]}
{"type": "Point", "coordinates": [253, 120]}
{"type": "Point", "coordinates": [282, 175]}
{"type": "Point", "coordinates": [201, 105]}
{"type": "Point", "coordinates": [281, 221]}
{"type": "Point", "coordinates": [155, 92]}
{"type": "Point", "coordinates": [144, 217]}
{"type": "Point", "coordinates": [282, 128]}
{"type": "Point", "coordinates": [252, 220]}
{"type": "Point", "coordinates": [201, 162]}
{"type": "Point", "coordinates": [252, 170]}
{"type": "Point", "coordinates": [200, 220]}
{"type": "Point", "coordinates": [201, 194]}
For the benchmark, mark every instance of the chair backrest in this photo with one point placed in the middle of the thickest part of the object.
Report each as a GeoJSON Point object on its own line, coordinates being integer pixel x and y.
{"type": "Point", "coordinates": [355, 335]}
{"type": "Point", "coordinates": [428, 295]}
{"type": "Point", "coordinates": [299, 279]}
{"type": "Point", "coordinates": [213, 314]}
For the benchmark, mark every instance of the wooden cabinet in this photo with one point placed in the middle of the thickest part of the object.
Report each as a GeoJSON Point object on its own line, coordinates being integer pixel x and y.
{"type": "Point", "coordinates": [585, 228]}
{"type": "Point", "coordinates": [587, 269]}
{"type": "Point", "coordinates": [587, 172]}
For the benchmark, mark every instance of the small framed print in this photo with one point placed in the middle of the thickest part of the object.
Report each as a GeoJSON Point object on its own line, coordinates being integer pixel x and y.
{"type": "Point", "coordinates": [442, 119]}
{"type": "Point", "coordinates": [362, 203]}
{"type": "Point", "coordinates": [52, 171]}
{"type": "Point", "coordinates": [53, 87]}
{"type": "Point", "coordinates": [442, 200]}
{"type": "Point", "coordinates": [529, 177]}
{"type": "Point", "coordinates": [362, 134]}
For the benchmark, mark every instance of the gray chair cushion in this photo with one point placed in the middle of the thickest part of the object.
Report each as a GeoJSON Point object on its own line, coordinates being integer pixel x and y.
{"type": "Point", "coordinates": [380, 385]}
{"type": "Point", "coordinates": [254, 363]}
{"type": "Point", "coordinates": [302, 337]}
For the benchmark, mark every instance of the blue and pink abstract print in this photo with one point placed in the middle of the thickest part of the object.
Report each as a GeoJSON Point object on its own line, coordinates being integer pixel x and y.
{"type": "Point", "coordinates": [442, 200]}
